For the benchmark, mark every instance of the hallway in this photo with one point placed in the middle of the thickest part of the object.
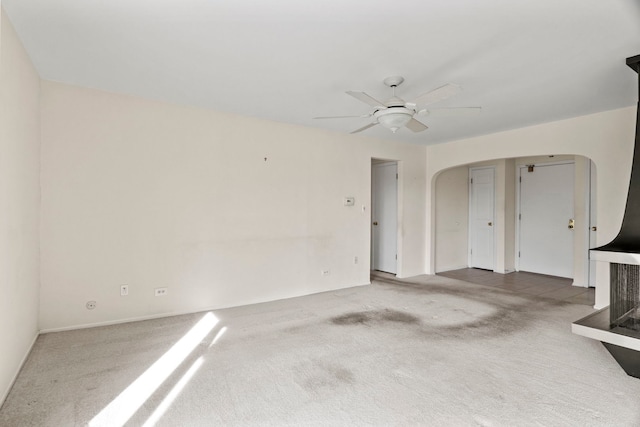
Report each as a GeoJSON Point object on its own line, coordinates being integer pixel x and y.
{"type": "Point", "coordinates": [557, 288]}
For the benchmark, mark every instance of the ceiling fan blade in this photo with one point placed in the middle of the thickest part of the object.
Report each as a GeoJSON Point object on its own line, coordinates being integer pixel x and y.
{"type": "Point", "coordinates": [364, 127]}
{"type": "Point", "coordinates": [361, 96]}
{"type": "Point", "coordinates": [454, 112]}
{"type": "Point", "coordinates": [416, 126]}
{"type": "Point", "coordinates": [443, 92]}
{"type": "Point", "coordinates": [345, 117]}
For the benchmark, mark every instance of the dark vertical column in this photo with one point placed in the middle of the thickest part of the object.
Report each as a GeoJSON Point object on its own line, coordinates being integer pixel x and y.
{"type": "Point", "coordinates": [625, 291]}
{"type": "Point", "coordinates": [628, 239]}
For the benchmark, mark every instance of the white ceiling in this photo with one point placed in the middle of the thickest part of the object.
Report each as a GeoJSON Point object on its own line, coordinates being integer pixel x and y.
{"type": "Point", "coordinates": [524, 62]}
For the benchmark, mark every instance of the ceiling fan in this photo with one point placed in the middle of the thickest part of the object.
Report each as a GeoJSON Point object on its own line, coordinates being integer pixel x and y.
{"type": "Point", "coordinates": [396, 112]}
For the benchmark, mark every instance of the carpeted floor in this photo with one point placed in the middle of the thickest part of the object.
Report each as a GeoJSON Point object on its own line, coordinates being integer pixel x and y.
{"type": "Point", "coordinates": [429, 351]}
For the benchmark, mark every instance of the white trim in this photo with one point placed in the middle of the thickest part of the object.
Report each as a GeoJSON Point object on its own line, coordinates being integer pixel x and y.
{"type": "Point", "coordinates": [559, 162]}
{"type": "Point", "coordinates": [451, 268]}
{"type": "Point", "coordinates": [616, 257]}
{"type": "Point", "coordinates": [5, 394]}
{"type": "Point", "coordinates": [605, 336]}
{"type": "Point", "coordinates": [469, 229]}
{"type": "Point", "coordinates": [399, 217]}
{"type": "Point", "coordinates": [516, 255]}
{"type": "Point", "coordinates": [586, 212]}
{"type": "Point", "coordinates": [182, 313]}
{"type": "Point", "coordinates": [375, 162]}
{"type": "Point", "coordinates": [127, 320]}
{"type": "Point", "coordinates": [593, 221]}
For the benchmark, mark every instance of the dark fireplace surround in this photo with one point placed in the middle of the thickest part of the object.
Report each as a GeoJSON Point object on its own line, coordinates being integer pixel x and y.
{"type": "Point", "coordinates": [624, 278]}
{"type": "Point", "coordinates": [618, 326]}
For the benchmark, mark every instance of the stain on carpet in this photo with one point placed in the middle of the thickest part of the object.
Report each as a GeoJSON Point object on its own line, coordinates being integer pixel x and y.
{"type": "Point", "coordinates": [375, 317]}
{"type": "Point", "coordinates": [509, 314]}
{"type": "Point", "coordinates": [326, 375]}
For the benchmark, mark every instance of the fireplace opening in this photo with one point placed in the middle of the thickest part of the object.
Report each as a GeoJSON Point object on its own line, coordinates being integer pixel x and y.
{"type": "Point", "coordinates": [625, 296]}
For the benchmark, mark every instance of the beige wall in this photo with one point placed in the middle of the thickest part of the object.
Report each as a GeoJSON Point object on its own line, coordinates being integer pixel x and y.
{"type": "Point", "coordinates": [452, 219]}
{"type": "Point", "coordinates": [19, 204]}
{"type": "Point", "coordinates": [156, 195]}
{"type": "Point", "coordinates": [606, 138]}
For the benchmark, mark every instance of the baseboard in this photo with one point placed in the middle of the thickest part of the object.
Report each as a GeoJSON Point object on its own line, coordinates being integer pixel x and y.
{"type": "Point", "coordinates": [4, 395]}
{"type": "Point", "coordinates": [181, 313]}
{"type": "Point", "coordinates": [580, 284]}
{"type": "Point", "coordinates": [451, 268]}
{"type": "Point", "coordinates": [126, 320]}
{"type": "Point", "coordinates": [410, 273]}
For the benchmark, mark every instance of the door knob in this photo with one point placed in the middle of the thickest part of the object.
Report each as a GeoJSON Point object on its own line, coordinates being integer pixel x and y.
{"type": "Point", "coordinates": [375, 222]}
{"type": "Point", "coordinates": [490, 224]}
{"type": "Point", "coordinates": [572, 223]}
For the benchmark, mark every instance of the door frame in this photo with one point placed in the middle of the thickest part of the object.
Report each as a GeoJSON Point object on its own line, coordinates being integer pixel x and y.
{"type": "Point", "coordinates": [399, 211]}
{"type": "Point", "coordinates": [470, 220]}
{"type": "Point", "coordinates": [593, 221]}
{"type": "Point", "coordinates": [517, 209]}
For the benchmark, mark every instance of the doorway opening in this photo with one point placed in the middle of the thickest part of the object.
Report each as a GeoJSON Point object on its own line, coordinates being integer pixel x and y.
{"type": "Point", "coordinates": [384, 216]}
{"type": "Point", "coordinates": [482, 218]}
{"type": "Point", "coordinates": [453, 215]}
{"type": "Point", "coordinates": [546, 219]}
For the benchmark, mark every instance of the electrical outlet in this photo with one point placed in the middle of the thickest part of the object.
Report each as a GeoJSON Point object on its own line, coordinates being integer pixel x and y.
{"type": "Point", "coordinates": [160, 292]}
{"type": "Point", "coordinates": [324, 272]}
{"type": "Point", "coordinates": [91, 305]}
{"type": "Point", "coordinates": [124, 290]}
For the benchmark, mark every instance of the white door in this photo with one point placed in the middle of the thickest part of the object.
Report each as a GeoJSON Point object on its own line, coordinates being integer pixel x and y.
{"type": "Point", "coordinates": [481, 218]}
{"type": "Point", "coordinates": [384, 216]}
{"type": "Point", "coordinates": [546, 210]}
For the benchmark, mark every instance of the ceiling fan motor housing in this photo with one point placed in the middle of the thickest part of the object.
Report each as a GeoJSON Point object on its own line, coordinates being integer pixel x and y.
{"type": "Point", "coordinates": [394, 101]}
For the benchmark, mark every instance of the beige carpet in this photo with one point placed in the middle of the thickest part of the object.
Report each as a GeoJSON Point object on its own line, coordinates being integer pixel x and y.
{"type": "Point", "coordinates": [432, 351]}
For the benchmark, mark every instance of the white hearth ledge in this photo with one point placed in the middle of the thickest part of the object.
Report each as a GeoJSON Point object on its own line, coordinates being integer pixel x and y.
{"type": "Point", "coordinates": [615, 257]}
{"type": "Point", "coordinates": [597, 326]}
{"type": "Point", "coordinates": [606, 336]}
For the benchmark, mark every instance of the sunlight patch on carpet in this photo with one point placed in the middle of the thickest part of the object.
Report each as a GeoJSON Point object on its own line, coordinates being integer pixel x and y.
{"type": "Point", "coordinates": [175, 391]}
{"type": "Point", "coordinates": [133, 397]}
{"type": "Point", "coordinates": [218, 335]}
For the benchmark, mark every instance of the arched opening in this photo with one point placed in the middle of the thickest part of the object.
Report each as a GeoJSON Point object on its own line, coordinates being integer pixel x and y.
{"type": "Point", "coordinates": [454, 226]}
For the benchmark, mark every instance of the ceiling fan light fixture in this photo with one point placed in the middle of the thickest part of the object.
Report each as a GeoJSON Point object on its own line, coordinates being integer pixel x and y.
{"type": "Point", "coordinates": [395, 112]}
{"type": "Point", "coordinates": [394, 118]}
